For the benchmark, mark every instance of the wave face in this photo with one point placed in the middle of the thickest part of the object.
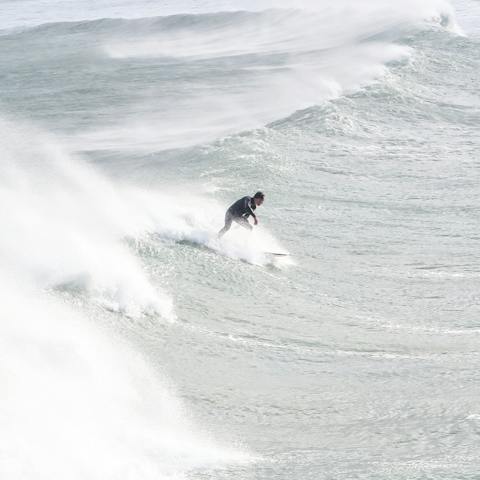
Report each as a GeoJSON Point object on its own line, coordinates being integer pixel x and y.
{"type": "Point", "coordinates": [195, 78]}
{"type": "Point", "coordinates": [135, 344]}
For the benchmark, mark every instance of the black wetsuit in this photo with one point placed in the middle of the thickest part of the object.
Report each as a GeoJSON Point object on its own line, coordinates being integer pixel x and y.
{"type": "Point", "coordinates": [242, 208]}
{"type": "Point", "coordinates": [239, 213]}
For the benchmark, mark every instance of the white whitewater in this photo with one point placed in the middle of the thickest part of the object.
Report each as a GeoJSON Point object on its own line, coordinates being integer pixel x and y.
{"type": "Point", "coordinates": [135, 344]}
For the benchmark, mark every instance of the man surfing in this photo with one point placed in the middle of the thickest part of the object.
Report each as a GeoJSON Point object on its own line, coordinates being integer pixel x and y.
{"type": "Point", "coordinates": [240, 211]}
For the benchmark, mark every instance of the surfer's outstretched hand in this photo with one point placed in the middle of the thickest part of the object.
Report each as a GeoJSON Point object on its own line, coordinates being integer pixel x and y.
{"type": "Point", "coordinates": [255, 221]}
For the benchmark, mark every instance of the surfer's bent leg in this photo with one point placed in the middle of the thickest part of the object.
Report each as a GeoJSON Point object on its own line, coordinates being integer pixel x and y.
{"type": "Point", "coordinates": [243, 222]}
{"type": "Point", "coordinates": [228, 224]}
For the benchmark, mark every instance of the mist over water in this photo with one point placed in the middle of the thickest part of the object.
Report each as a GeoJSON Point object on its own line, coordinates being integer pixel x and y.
{"type": "Point", "coordinates": [135, 344]}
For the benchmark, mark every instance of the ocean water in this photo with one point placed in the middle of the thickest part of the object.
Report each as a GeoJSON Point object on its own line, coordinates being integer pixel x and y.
{"type": "Point", "coordinates": [136, 345]}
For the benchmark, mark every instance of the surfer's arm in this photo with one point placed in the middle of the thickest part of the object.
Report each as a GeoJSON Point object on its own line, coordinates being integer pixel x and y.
{"type": "Point", "coordinates": [250, 212]}
{"type": "Point", "coordinates": [255, 221]}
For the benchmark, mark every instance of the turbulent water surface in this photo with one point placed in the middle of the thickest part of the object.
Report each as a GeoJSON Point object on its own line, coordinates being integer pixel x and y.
{"type": "Point", "coordinates": [136, 345]}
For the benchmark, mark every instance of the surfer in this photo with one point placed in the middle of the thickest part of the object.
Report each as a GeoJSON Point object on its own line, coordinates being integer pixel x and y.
{"type": "Point", "coordinates": [240, 211]}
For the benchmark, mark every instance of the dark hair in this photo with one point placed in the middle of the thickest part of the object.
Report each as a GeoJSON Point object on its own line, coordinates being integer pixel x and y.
{"type": "Point", "coordinates": [259, 195]}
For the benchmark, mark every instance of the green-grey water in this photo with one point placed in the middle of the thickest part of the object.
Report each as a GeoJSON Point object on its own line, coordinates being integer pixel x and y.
{"type": "Point", "coordinates": [136, 345]}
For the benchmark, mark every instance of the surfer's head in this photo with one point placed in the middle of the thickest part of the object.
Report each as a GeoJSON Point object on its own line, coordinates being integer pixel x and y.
{"type": "Point", "coordinates": [258, 198]}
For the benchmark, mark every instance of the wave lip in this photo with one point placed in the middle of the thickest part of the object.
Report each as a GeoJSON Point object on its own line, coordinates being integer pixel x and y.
{"type": "Point", "coordinates": [274, 31]}
{"type": "Point", "coordinates": [189, 79]}
{"type": "Point", "coordinates": [283, 60]}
